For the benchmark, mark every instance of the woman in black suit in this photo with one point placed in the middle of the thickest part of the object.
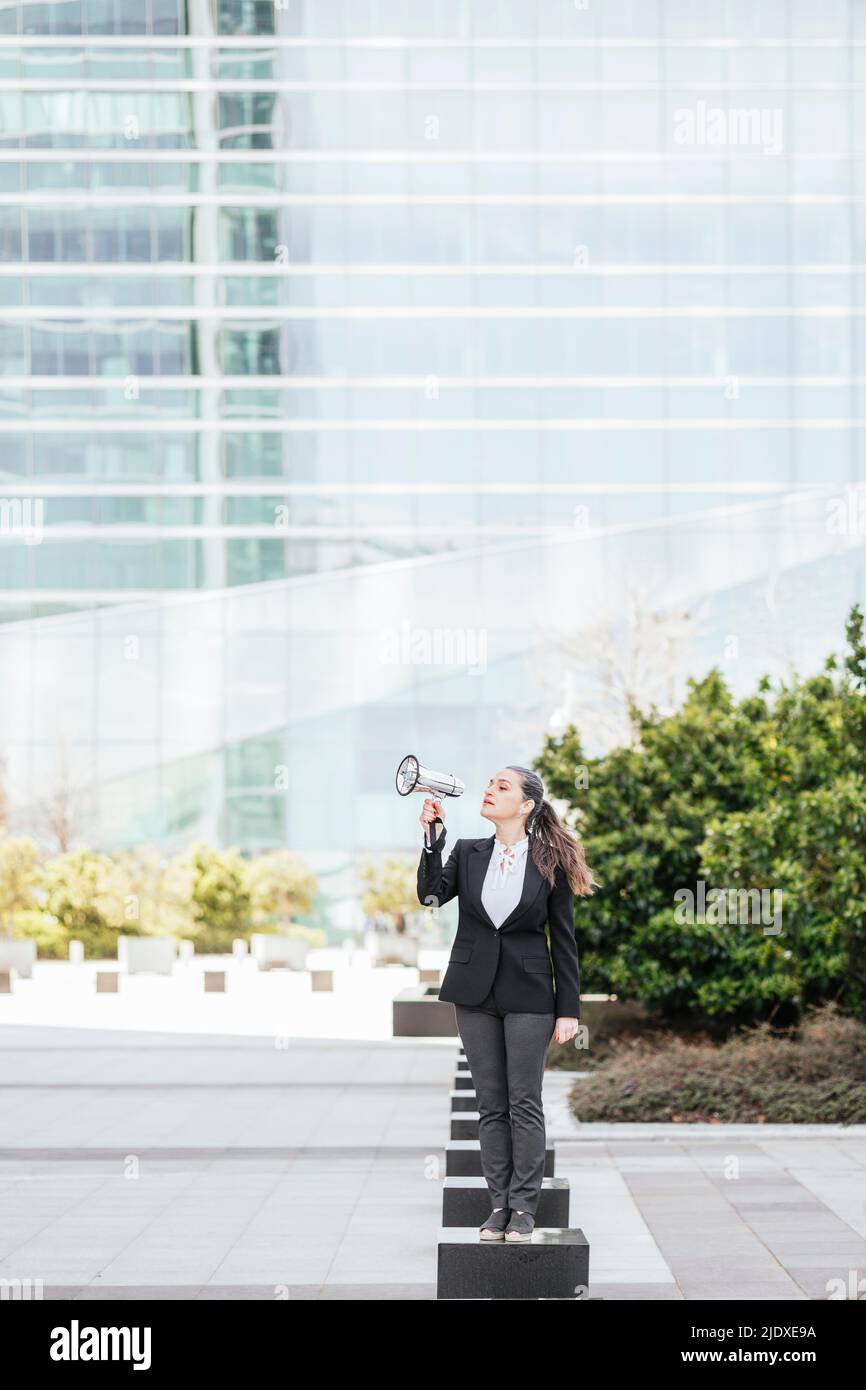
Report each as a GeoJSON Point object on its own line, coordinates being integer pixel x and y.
{"type": "Point", "coordinates": [510, 999]}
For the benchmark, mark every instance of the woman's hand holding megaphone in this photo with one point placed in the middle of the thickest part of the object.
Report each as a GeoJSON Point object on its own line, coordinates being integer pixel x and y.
{"type": "Point", "coordinates": [429, 811]}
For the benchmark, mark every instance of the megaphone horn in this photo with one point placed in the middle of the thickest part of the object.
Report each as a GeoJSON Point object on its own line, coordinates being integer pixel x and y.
{"type": "Point", "coordinates": [413, 776]}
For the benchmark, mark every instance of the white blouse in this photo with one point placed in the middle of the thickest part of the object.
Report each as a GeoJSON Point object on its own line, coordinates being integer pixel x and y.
{"type": "Point", "coordinates": [503, 882]}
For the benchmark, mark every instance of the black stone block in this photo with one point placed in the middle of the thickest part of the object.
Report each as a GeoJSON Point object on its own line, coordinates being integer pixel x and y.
{"type": "Point", "coordinates": [553, 1264]}
{"type": "Point", "coordinates": [419, 1013]}
{"type": "Point", "coordinates": [463, 1100]}
{"type": "Point", "coordinates": [464, 1125]}
{"type": "Point", "coordinates": [466, 1202]}
{"type": "Point", "coordinates": [463, 1080]}
{"type": "Point", "coordinates": [463, 1159]}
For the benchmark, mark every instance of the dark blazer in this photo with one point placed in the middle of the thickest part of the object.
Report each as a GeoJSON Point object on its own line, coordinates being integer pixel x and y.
{"type": "Point", "coordinates": [515, 955]}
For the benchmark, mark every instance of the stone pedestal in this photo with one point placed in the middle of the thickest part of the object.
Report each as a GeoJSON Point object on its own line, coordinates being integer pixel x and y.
{"type": "Point", "coordinates": [463, 1159]}
{"type": "Point", "coordinates": [148, 955]}
{"type": "Point", "coordinates": [392, 948]}
{"type": "Point", "coordinates": [272, 951]}
{"type": "Point", "coordinates": [18, 954]}
{"type": "Point", "coordinates": [462, 1101]}
{"type": "Point", "coordinates": [553, 1264]}
{"type": "Point", "coordinates": [466, 1202]}
{"type": "Point", "coordinates": [464, 1124]}
{"type": "Point", "coordinates": [418, 1012]}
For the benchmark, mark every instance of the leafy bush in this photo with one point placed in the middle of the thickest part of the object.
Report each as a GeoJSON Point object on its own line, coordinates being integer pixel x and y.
{"type": "Point", "coordinates": [210, 896]}
{"type": "Point", "coordinates": [51, 937]}
{"type": "Point", "coordinates": [813, 1074]}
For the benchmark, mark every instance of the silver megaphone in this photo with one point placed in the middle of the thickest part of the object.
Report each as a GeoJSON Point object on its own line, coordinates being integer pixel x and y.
{"type": "Point", "coordinates": [412, 776]}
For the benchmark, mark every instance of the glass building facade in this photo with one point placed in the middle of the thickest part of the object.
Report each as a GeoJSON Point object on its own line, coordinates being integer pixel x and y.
{"type": "Point", "coordinates": [357, 356]}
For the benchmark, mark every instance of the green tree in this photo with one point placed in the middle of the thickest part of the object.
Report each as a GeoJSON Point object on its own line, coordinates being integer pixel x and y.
{"type": "Point", "coordinates": [153, 892]}
{"type": "Point", "coordinates": [391, 889]}
{"type": "Point", "coordinates": [81, 897]}
{"type": "Point", "coordinates": [757, 794]}
{"type": "Point", "coordinates": [213, 884]}
{"type": "Point", "coordinates": [19, 880]}
{"type": "Point", "coordinates": [281, 887]}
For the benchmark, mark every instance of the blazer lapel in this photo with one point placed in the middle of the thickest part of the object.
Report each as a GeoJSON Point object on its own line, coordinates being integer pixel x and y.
{"type": "Point", "coordinates": [479, 862]}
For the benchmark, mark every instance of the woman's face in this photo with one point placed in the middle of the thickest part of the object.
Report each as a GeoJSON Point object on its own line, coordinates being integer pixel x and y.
{"type": "Point", "coordinates": [503, 798]}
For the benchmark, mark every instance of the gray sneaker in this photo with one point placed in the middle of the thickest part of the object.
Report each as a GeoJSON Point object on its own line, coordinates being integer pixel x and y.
{"type": "Point", "coordinates": [520, 1227]}
{"type": "Point", "coordinates": [494, 1226]}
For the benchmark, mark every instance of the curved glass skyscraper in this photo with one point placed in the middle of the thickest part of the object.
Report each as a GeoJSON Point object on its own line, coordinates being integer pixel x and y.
{"type": "Point", "coordinates": [360, 361]}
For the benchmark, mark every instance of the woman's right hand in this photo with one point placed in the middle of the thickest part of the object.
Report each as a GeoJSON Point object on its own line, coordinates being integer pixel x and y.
{"type": "Point", "coordinates": [429, 811]}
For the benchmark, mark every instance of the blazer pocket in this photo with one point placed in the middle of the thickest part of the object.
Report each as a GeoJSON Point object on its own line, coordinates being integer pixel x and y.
{"type": "Point", "coordinates": [460, 954]}
{"type": "Point", "coordinates": [540, 963]}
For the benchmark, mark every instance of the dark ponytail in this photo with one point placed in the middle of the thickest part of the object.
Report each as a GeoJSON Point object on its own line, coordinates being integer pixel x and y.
{"type": "Point", "coordinates": [550, 842]}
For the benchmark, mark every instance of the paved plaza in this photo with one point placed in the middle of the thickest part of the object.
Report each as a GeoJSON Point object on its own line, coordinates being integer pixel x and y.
{"type": "Point", "coordinates": [190, 1159]}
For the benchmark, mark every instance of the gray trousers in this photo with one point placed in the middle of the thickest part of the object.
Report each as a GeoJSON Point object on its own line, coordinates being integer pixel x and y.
{"type": "Point", "coordinates": [506, 1053]}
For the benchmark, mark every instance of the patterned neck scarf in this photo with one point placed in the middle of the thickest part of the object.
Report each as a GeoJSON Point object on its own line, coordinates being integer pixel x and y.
{"type": "Point", "coordinates": [508, 857]}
